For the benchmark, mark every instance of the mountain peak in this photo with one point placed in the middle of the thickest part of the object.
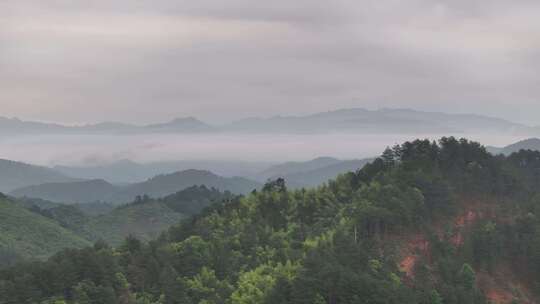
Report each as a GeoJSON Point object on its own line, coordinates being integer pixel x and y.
{"type": "Point", "coordinates": [525, 144]}
{"type": "Point", "coordinates": [182, 124]}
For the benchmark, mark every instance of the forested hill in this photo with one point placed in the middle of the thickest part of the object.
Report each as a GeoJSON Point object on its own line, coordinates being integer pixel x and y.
{"type": "Point", "coordinates": [25, 234]}
{"type": "Point", "coordinates": [426, 222]}
{"type": "Point", "coordinates": [161, 185]}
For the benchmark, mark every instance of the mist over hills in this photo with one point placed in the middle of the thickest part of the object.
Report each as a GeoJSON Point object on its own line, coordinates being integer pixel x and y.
{"type": "Point", "coordinates": [128, 171]}
{"type": "Point", "coordinates": [298, 173]}
{"type": "Point", "coordinates": [343, 120]}
{"type": "Point", "coordinates": [122, 181]}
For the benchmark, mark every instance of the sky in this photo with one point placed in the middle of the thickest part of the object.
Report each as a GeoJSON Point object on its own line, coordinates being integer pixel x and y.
{"type": "Point", "coordinates": [146, 61]}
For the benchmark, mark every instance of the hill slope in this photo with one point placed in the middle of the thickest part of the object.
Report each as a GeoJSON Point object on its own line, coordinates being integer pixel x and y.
{"type": "Point", "coordinates": [32, 236]}
{"type": "Point", "coordinates": [143, 221]}
{"type": "Point", "coordinates": [311, 173]}
{"type": "Point", "coordinates": [144, 218]}
{"type": "Point", "coordinates": [15, 175]}
{"type": "Point", "coordinates": [127, 171]}
{"type": "Point", "coordinates": [69, 193]}
{"type": "Point", "coordinates": [166, 184]}
{"type": "Point", "coordinates": [287, 168]}
{"type": "Point", "coordinates": [532, 144]}
{"type": "Point", "coordinates": [159, 186]}
{"type": "Point", "coordinates": [317, 177]}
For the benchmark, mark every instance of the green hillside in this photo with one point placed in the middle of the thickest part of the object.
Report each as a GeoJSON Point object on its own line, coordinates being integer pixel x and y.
{"type": "Point", "coordinates": [194, 199]}
{"type": "Point", "coordinates": [31, 236]}
{"type": "Point", "coordinates": [426, 222]}
{"type": "Point", "coordinates": [145, 218]}
{"type": "Point", "coordinates": [144, 221]}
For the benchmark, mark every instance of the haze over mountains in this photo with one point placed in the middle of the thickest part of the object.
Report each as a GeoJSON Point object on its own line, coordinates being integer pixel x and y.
{"type": "Point", "coordinates": [120, 182]}
{"type": "Point", "coordinates": [128, 171]}
{"type": "Point", "coordinates": [14, 175]}
{"type": "Point", "coordinates": [344, 120]}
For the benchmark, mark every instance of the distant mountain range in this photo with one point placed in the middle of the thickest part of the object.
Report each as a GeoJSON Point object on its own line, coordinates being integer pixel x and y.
{"type": "Point", "coordinates": [99, 190]}
{"type": "Point", "coordinates": [345, 120]}
{"type": "Point", "coordinates": [298, 174]}
{"type": "Point", "coordinates": [127, 171]}
{"type": "Point", "coordinates": [527, 144]}
{"type": "Point", "coordinates": [11, 126]}
{"type": "Point", "coordinates": [379, 121]}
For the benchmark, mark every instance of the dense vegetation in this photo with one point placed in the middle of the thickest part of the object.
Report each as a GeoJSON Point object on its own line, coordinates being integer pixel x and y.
{"type": "Point", "coordinates": [24, 234]}
{"type": "Point", "coordinates": [145, 218]}
{"type": "Point", "coordinates": [37, 229]}
{"type": "Point", "coordinates": [425, 223]}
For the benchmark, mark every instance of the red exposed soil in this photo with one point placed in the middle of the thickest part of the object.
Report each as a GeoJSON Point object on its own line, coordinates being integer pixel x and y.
{"type": "Point", "coordinates": [407, 265]}
{"type": "Point", "coordinates": [496, 296]}
{"type": "Point", "coordinates": [502, 288]}
{"type": "Point", "coordinates": [416, 248]}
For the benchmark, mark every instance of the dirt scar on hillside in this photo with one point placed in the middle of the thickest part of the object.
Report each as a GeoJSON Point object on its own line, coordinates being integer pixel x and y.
{"type": "Point", "coordinates": [498, 290]}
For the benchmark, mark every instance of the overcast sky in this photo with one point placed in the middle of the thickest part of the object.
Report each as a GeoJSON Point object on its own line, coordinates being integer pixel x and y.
{"type": "Point", "coordinates": [144, 61]}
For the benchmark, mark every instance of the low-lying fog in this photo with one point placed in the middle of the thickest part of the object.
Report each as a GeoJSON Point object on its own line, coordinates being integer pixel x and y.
{"type": "Point", "coordinates": [88, 150]}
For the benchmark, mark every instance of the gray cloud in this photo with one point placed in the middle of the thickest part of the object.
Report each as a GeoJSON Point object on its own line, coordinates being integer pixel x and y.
{"type": "Point", "coordinates": [144, 61]}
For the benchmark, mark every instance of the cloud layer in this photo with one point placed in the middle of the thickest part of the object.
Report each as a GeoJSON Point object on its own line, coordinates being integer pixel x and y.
{"type": "Point", "coordinates": [143, 61]}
